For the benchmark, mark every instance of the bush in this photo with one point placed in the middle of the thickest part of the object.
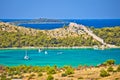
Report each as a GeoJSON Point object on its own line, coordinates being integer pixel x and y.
{"type": "Point", "coordinates": [63, 74]}
{"type": "Point", "coordinates": [50, 77]}
{"type": "Point", "coordinates": [116, 78]}
{"type": "Point", "coordinates": [51, 71]}
{"type": "Point", "coordinates": [3, 77]}
{"type": "Point", "coordinates": [32, 75]}
{"type": "Point", "coordinates": [80, 78]}
{"type": "Point", "coordinates": [40, 74]}
{"type": "Point", "coordinates": [104, 73]}
{"type": "Point", "coordinates": [69, 71]}
{"type": "Point", "coordinates": [118, 68]}
{"type": "Point", "coordinates": [110, 62]}
{"type": "Point", "coordinates": [110, 69]}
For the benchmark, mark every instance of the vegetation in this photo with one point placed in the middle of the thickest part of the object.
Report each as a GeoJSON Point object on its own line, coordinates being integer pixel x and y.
{"type": "Point", "coordinates": [18, 39]}
{"type": "Point", "coordinates": [110, 35]}
{"type": "Point", "coordinates": [63, 74]}
{"type": "Point", "coordinates": [104, 73]}
{"type": "Point", "coordinates": [50, 77]}
{"type": "Point", "coordinates": [69, 70]}
{"type": "Point", "coordinates": [109, 62]}
{"type": "Point", "coordinates": [80, 78]}
{"type": "Point", "coordinates": [40, 74]}
{"type": "Point", "coordinates": [51, 71]}
{"type": "Point", "coordinates": [47, 72]}
{"type": "Point", "coordinates": [11, 36]}
{"type": "Point", "coordinates": [118, 69]}
{"type": "Point", "coordinates": [110, 69]}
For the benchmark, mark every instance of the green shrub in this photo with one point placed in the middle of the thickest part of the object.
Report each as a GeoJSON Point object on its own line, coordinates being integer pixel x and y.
{"type": "Point", "coordinates": [104, 73]}
{"type": "Point", "coordinates": [69, 71]}
{"type": "Point", "coordinates": [118, 68]}
{"type": "Point", "coordinates": [110, 62]}
{"type": "Point", "coordinates": [80, 78]}
{"type": "Point", "coordinates": [32, 75]}
{"type": "Point", "coordinates": [116, 78]}
{"type": "Point", "coordinates": [63, 74]}
{"type": "Point", "coordinates": [3, 77]}
{"type": "Point", "coordinates": [8, 79]}
{"type": "Point", "coordinates": [51, 71]}
{"type": "Point", "coordinates": [105, 63]}
{"type": "Point", "coordinates": [50, 77]}
{"type": "Point", "coordinates": [70, 76]}
{"type": "Point", "coordinates": [21, 76]}
{"type": "Point", "coordinates": [40, 74]}
{"type": "Point", "coordinates": [110, 69]}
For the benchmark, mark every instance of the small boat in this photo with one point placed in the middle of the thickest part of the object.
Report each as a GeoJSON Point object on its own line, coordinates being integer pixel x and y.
{"type": "Point", "coordinates": [60, 53]}
{"type": "Point", "coordinates": [39, 50]}
{"type": "Point", "coordinates": [26, 57]}
{"type": "Point", "coordinates": [95, 47]}
{"type": "Point", "coordinates": [46, 52]}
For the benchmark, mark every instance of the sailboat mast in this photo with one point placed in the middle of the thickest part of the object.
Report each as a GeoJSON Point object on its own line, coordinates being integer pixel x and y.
{"type": "Point", "coordinates": [26, 52]}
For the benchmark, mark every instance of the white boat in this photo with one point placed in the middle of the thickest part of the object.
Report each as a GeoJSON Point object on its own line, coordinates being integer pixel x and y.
{"type": "Point", "coordinates": [46, 52]}
{"type": "Point", "coordinates": [40, 50]}
{"type": "Point", "coordinates": [59, 52]}
{"type": "Point", "coordinates": [26, 57]}
{"type": "Point", "coordinates": [95, 47]}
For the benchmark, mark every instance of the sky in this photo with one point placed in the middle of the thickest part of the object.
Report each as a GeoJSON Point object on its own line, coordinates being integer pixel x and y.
{"type": "Point", "coordinates": [60, 9]}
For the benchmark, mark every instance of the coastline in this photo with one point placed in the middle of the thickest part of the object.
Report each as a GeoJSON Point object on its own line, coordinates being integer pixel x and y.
{"type": "Point", "coordinates": [82, 47]}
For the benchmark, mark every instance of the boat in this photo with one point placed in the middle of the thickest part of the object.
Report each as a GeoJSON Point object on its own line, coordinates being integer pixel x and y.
{"type": "Point", "coordinates": [95, 47]}
{"type": "Point", "coordinates": [59, 52]}
{"type": "Point", "coordinates": [46, 52]}
{"type": "Point", "coordinates": [26, 57]}
{"type": "Point", "coordinates": [39, 50]}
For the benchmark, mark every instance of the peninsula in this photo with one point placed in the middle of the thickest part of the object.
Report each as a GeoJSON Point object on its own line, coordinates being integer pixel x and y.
{"type": "Point", "coordinates": [73, 35]}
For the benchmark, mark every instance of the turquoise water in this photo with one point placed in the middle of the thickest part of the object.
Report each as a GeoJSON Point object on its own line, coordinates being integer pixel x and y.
{"type": "Point", "coordinates": [59, 57]}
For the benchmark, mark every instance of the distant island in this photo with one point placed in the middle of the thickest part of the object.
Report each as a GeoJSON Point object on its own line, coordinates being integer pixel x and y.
{"type": "Point", "coordinates": [69, 36]}
{"type": "Point", "coordinates": [36, 21]}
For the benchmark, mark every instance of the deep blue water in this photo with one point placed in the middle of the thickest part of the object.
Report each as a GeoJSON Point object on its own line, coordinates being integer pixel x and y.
{"type": "Point", "coordinates": [97, 23]}
{"type": "Point", "coordinates": [59, 57]}
{"type": "Point", "coordinates": [44, 26]}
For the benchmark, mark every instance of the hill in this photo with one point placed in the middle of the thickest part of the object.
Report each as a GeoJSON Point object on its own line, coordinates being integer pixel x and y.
{"type": "Point", "coordinates": [69, 36]}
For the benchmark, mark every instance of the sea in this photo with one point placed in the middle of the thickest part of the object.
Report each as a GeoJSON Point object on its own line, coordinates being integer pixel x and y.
{"type": "Point", "coordinates": [96, 23]}
{"type": "Point", "coordinates": [59, 57]}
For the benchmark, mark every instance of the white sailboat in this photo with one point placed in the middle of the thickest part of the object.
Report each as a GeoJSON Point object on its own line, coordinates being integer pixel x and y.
{"type": "Point", "coordinates": [95, 47]}
{"type": "Point", "coordinates": [26, 57]}
{"type": "Point", "coordinates": [60, 53]}
{"type": "Point", "coordinates": [39, 50]}
{"type": "Point", "coordinates": [46, 52]}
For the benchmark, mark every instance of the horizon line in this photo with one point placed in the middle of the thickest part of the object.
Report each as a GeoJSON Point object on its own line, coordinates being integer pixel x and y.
{"type": "Point", "coordinates": [60, 18]}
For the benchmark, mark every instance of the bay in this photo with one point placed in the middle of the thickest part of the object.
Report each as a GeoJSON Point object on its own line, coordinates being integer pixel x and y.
{"type": "Point", "coordinates": [59, 57]}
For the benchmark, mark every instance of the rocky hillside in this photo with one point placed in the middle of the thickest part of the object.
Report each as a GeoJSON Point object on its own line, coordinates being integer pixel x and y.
{"type": "Point", "coordinates": [12, 28]}
{"type": "Point", "coordinates": [72, 35]}
{"type": "Point", "coordinates": [56, 33]}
